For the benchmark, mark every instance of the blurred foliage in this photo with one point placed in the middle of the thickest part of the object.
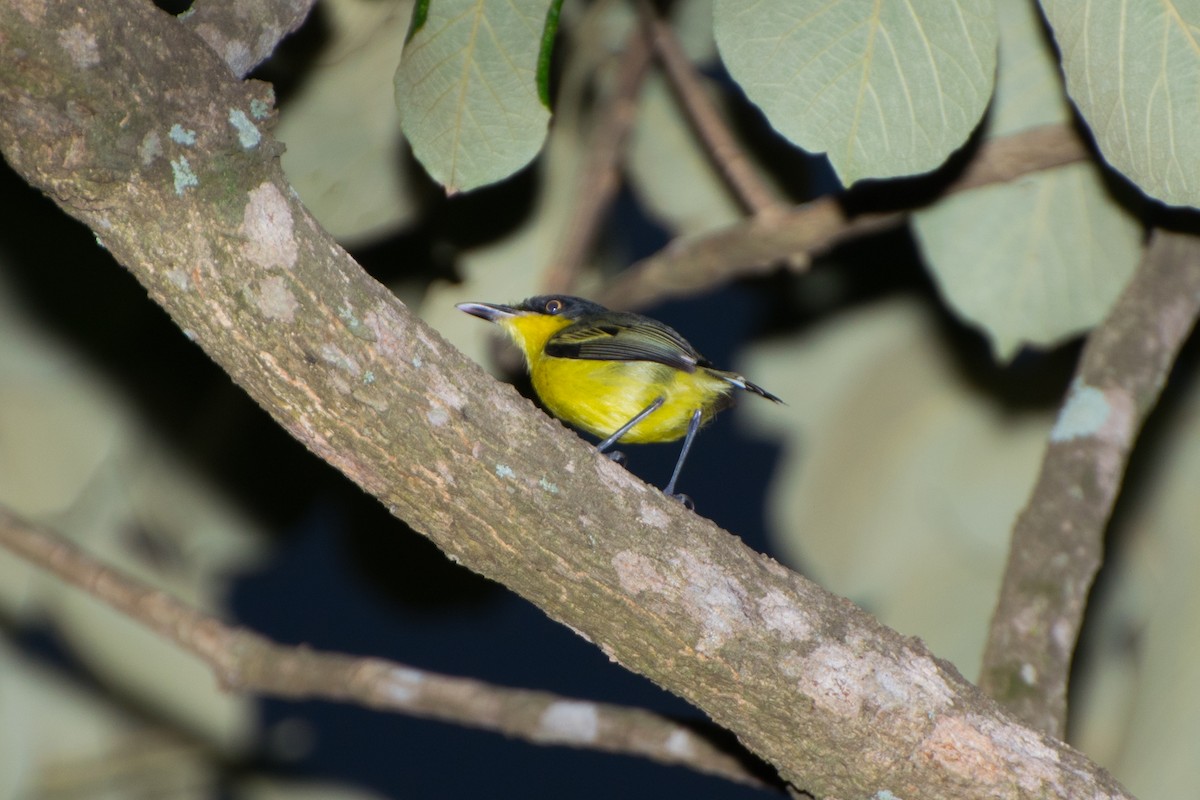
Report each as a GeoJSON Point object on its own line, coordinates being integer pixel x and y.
{"type": "Point", "coordinates": [910, 439]}
{"type": "Point", "coordinates": [902, 472]}
{"type": "Point", "coordinates": [345, 153]}
{"type": "Point", "coordinates": [78, 456]}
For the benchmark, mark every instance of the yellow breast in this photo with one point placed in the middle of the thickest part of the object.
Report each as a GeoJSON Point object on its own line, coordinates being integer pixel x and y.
{"type": "Point", "coordinates": [601, 396]}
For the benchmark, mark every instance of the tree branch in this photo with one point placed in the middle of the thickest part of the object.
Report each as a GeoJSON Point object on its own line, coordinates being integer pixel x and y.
{"type": "Point", "coordinates": [1058, 540]}
{"type": "Point", "coordinates": [600, 177]}
{"type": "Point", "coordinates": [244, 661]}
{"type": "Point", "coordinates": [245, 34]}
{"type": "Point", "coordinates": [209, 225]}
{"type": "Point", "coordinates": [758, 245]}
{"type": "Point", "coordinates": [755, 194]}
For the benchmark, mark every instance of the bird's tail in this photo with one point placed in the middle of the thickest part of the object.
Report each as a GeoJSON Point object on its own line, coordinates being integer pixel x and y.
{"type": "Point", "coordinates": [742, 383]}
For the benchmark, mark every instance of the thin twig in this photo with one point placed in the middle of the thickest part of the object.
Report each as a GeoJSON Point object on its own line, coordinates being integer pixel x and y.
{"type": "Point", "coordinates": [598, 182]}
{"type": "Point", "coordinates": [1058, 540]}
{"type": "Point", "coordinates": [755, 194]}
{"type": "Point", "coordinates": [245, 661]}
{"type": "Point", "coordinates": [756, 245]}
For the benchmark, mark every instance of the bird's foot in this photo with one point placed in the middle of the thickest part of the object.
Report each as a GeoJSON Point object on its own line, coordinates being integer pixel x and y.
{"type": "Point", "coordinates": [688, 503]}
{"type": "Point", "coordinates": [617, 457]}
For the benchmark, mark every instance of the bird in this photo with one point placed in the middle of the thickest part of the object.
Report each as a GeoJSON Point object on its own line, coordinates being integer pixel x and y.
{"type": "Point", "coordinates": [620, 376]}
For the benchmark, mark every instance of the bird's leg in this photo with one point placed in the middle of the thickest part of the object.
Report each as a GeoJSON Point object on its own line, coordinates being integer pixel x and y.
{"type": "Point", "coordinates": [624, 429]}
{"type": "Point", "coordinates": [693, 426]}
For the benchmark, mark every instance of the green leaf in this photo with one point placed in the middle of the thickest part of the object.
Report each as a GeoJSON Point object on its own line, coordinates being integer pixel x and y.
{"type": "Point", "coordinates": [1132, 70]}
{"type": "Point", "coordinates": [419, 13]}
{"type": "Point", "coordinates": [549, 33]}
{"type": "Point", "coordinates": [887, 89]}
{"type": "Point", "coordinates": [467, 90]}
{"type": "Point", "coordinates": [1035, 261]}
{"type": "Point", "coordinates": [1040, 259]}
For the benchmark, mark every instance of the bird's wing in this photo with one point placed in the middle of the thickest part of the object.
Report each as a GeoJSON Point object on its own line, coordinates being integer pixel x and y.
{"type": "Point", "coordinates": [632, 338]}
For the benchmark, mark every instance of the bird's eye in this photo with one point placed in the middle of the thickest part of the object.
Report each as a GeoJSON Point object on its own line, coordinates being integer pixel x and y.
{"type": "Point", "coordinates": [554, 306]}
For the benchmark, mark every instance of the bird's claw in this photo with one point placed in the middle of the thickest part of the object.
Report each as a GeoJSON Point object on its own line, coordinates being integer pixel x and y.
{"type": "Point", "coordinates": [616, 456]}
{"type": "Point", "coordinates": [688, 503]}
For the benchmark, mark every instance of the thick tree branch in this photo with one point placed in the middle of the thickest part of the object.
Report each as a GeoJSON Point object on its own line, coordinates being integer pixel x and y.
{"type": "Point", "coordinates": [1058, 541]}
{"type": "Point", "coordinates": [245, 34]}
{"type": "Point", "coordinates": [758, 245]}
{"type": "Point", "coordinates": [155, 147]}
{"type": "Point", "coordinates": [244, 661]}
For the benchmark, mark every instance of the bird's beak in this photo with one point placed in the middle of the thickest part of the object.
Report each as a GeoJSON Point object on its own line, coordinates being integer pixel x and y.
{"type": "Point", "coordinates": [492, 312]}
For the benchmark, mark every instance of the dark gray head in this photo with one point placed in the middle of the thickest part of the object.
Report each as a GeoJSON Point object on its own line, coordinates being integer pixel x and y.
{"type": "Point", "coordinates": [561, 305]}
{"type": "Point", "coordinates": [552, 305]}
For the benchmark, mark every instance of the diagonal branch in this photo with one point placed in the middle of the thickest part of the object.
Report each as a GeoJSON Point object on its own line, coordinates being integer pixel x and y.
{"type": "Point", "coordinates": [245, 661]}
{"type": "Point", "coordinates": [1057, 544]}
{"type": "Point", "coordinates": [211, 228]}
{"type": "Point", "coordinates": [757, 245]}
{"type": "Point", "coordinates": [756, 195]}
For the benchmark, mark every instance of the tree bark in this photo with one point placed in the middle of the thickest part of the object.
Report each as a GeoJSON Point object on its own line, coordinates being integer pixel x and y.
{"type": "Point", "coordinates": [1058, 541]}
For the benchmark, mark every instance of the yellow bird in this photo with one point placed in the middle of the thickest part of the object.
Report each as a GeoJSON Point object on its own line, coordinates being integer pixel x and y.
{"type": "Point", "coordinates": [619, 376]}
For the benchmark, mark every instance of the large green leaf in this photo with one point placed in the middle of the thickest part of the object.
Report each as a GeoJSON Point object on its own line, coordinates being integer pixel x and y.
{"type": "Point", "coordinates": [467, 89]}
{"type": "Point", "coordinates": [1040, 259]}
{"type": "Point", "coordinates": [1032, 262]}
{"type": "Point", "coordinates": [886, 89]}
{"type": "Point", "coordinates": [1133, 69]}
